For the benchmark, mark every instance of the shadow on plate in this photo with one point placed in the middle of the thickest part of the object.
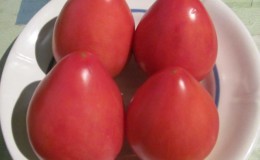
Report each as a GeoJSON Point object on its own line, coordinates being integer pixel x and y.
{"type": "Point", "coordinates": [19, 121]}
{"type": "Point", "coordinates": [43, 48]}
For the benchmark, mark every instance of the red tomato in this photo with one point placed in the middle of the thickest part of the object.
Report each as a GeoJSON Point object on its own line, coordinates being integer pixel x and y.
{"type": "Point", "coordinates": [176, 33]}
{"type": "Point", "coordinates": [172, 117]}
{"type": "Point", "coordinates": [76, 112]}
{"type": "Point", "coordinates": [102, 27]}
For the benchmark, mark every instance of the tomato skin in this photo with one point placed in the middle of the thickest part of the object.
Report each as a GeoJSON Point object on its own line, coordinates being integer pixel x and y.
{"type": "Point", "coordinates": [172, 116]}
{"type": "Point", "coordinates": [176, 33]}
{"type": "Point", "coordinates": [76, 112]}
{"type": "Point", "coordinates": [102, 27]}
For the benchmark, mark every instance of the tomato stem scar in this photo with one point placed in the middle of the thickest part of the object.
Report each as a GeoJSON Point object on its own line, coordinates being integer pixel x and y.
{"type": "Point", "coordinates": [83, 55]}
{"type": "Point", "coordinates": [174, 71]}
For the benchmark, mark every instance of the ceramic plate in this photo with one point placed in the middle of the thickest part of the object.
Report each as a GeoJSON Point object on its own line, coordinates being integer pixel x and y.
{"type": "Point", "coordinates": [234, 82]}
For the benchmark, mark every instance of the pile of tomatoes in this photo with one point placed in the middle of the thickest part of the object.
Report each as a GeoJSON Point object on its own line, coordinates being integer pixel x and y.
{"type": "Point", "coordinates": [77, 111]}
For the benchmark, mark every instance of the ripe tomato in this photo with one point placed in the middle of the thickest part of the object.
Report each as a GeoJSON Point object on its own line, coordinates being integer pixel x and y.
{"type": "Point", "coordinates": [76, 112]}
{"type": "Point", "coordinates": [172, 117]}
{"type": "Point", "coordinates": [102, 27]}
{"type": "Point", "coordinates": [176, 33]}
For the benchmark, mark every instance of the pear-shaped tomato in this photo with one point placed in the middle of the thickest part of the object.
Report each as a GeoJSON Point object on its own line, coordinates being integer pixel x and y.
{"type": "Point", "coordinates": [176, 33]}
{"type": "Point", "coordinates": [76, 112]}
{"type": "Point", "coordinates": [103, 27]}
{"type": "Point", "coordinates": [172, 117]}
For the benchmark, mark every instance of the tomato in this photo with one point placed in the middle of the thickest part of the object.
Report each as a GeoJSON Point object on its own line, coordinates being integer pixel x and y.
{"type": "Point", "coordinates": [102, 27]}
{"type": "Point", "coordinates": [76, 112]}
{"type": "Point", "coordinates": [172, 116]}
{"type": "Point", "coordinates": [176, 33]}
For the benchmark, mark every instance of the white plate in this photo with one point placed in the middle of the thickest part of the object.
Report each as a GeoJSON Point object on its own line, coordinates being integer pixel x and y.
{"type": "Point", "coordinates": [238, 78]}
